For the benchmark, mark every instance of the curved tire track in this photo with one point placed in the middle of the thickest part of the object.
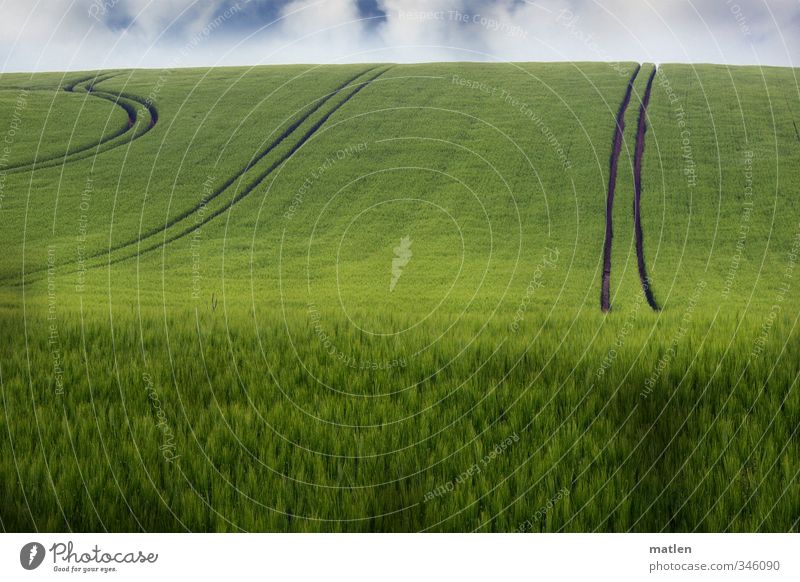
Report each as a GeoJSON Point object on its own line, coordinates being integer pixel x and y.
{"type": "Point", "coordinates": [95, 78]}
{"type": "Point", "coordinates": [232, 179]}
{"type": "Point", "coordinates": [229, 182]}
{"type": "Point", "coordinates": [637, 197]}
{"type": "Point", "coordinates": [125, 101]}
{"type": "Point", "coordinates": [605, 293]}
{"type": "Point", "coordinates": [254, 184]}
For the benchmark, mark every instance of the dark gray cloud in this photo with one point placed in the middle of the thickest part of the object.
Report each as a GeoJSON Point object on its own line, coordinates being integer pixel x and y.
{"type": "Point", "coordinates": [371, 9]}
{"type": "Point", "coordinates": [81, 34]}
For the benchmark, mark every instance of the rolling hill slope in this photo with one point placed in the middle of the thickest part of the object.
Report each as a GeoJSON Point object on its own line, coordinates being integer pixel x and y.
{"type": "Point", "coordinates": [368, 298]}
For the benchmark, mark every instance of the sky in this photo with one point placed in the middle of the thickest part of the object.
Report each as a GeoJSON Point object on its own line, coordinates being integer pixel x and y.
{"type": "Point", "coordinates": [55, 35]}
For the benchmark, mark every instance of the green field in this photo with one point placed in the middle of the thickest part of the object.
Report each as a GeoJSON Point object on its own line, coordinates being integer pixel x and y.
{"type": "Point", "coordinates": [367, 298]}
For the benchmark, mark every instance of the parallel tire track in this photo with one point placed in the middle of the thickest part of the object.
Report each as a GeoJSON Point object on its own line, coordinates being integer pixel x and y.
{"type": "Point", "coordinates": [173, 221]}
{"type": "Point", "coordinates": [637, 197]}
{"type": "Point", "coordinates": [605, 293]}
{"type": "Point", "coordinates": [95, 78]}
{"type": "Point", "coordinates": [253, 185]}
{"type": "Point", "coordinates": [122, 100]}
{"type": "Point", "coordinates": [236, 176]}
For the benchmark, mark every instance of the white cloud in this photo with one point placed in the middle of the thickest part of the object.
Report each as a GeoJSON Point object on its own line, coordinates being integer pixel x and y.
{"type": "Point", "coordinates": [62, 34]}
{"type": "Point", "coordinates": [312, 28]}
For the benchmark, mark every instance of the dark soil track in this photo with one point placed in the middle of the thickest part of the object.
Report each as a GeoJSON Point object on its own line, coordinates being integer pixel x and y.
{"type": "Point", "coordinates": [239, 174]}
{"type": "Point", "coordinates": [96, 78]}
{"type": "Point", "coordinates": [605, 293]}
{"type": "Point", "coordinates": [255, 183]}
{"type": "Point", "coordinates": [637, 196]}
{"type": "Point", "coordinates": [126, 102]}
{"type": "Point", "coordinates": [135, 243]}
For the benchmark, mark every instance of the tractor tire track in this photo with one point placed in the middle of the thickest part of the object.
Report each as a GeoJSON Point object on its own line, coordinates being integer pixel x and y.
{"type": "Point", "coordinates": [605, 293]}
{"type": "Point", "coordinates": [44, 161]}
{"type": "Point", "coordinates": [233, 178]}
{"type": "Point", "coordinates": [228, 183]}
{"type": "Point", "coordinates": [637, 196]}
{"type": "Point", "coordinates": [253, 185]}
{"type": "Point", "coordinates": [122, 100]}
{"type": "Point", "coordinates": [96, 78]}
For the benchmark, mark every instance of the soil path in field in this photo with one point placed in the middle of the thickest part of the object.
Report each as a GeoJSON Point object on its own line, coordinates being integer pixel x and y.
{"type": "Point", "coordinates": [637, 196]}
{"type": "Point", "coordinates": [255, 183]}
{"type": "Point", "coordinates": [197, 223]}
{"type": "Point", "coordinates": [122, 100]}
{"type": "Point", "coordinates": [605, 294]}
{"type": "Point", "coordinates": [236, 176]}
